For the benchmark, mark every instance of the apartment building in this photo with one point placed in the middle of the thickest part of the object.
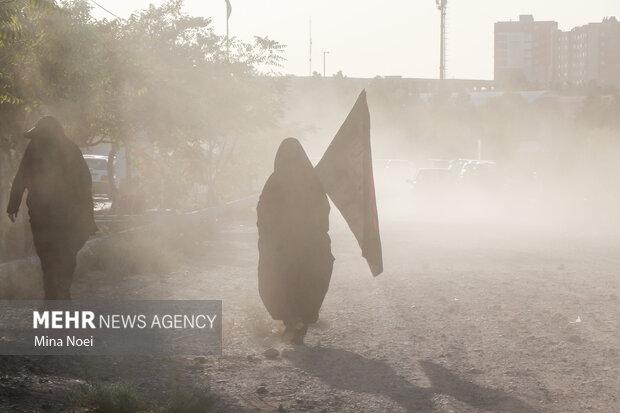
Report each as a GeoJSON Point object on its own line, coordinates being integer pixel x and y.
{"type": "Point", "coordinates": [538, 54]}
{"type": "Point", "coordinates": [524, 51]}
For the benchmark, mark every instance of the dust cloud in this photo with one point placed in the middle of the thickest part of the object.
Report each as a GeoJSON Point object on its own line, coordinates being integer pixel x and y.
{"type": "Point", "coordinates": [497, 212]}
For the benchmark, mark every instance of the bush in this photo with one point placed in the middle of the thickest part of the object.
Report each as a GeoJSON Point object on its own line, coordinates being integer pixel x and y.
{"type": "Point", "coordinates": [114, 399]}
{"type": "Point", "coordinates": [194, 401]}
{"type": "Point", "coordinates": [122, 398]}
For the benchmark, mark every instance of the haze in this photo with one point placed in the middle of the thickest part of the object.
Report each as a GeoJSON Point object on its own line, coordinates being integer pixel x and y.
{"type": "Point", "coordinates": [371, 38]}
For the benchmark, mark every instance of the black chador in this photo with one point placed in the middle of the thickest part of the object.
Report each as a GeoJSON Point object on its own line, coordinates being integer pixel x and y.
{"type": "Point", "coordinates": [295, 263]}
{"type": "Point", "coordinates": [59, 202]}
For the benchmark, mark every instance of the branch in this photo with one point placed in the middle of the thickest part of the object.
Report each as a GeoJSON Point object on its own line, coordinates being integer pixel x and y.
{"type": "Point", "coordinates": [102, 140]}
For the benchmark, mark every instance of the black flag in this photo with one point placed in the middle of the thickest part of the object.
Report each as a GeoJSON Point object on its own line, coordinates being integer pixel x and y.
{"type": "Point", "coordinates": [346, 174]}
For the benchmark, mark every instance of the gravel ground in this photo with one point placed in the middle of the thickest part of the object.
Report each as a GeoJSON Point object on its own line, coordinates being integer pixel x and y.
{"type": "Point", "coordinates": [466, 318]}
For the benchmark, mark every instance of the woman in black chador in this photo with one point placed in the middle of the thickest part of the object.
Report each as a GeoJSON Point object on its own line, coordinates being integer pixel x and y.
{"type": "Point", "coordinates": [295, 263]}
{"type": "Point", "coordinates": [60, 203]}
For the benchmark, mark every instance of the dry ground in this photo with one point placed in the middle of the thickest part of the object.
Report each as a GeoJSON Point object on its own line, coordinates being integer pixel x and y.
{"type": "Point", "coordinates": [466, 318]}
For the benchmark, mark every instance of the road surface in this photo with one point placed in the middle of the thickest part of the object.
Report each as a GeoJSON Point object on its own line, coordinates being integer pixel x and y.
{"type": "Point", "coordinates": [466, 318]}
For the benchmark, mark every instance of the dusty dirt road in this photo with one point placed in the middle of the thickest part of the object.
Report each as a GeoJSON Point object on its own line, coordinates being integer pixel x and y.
{"type": "Point", "coordinates": [466, 318]}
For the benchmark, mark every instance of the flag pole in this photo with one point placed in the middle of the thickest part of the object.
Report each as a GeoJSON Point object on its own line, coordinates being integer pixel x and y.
{"type": "Point", "coordinates": [310, 50]}
{"type": "Point", "coordinates": [227, 37]}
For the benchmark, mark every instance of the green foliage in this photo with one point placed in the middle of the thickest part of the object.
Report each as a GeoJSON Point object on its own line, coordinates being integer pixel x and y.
{"type": "Point", "coordinates": [6, 98]}
{"type": "Point", "coordinates": [9, 35]}
{"type": "Point", "coordinates": [159, 83]}
{"type": "Point", "coordinates": [43, 4]}
{"type": "Point", "coordinates": [198, 105]}
{"type": "Point", "coordinates": [192, 401]}
{"type": "Point", "coordinates": [114, 399]}
{"type": "Point", "coordinates": [123, 398]}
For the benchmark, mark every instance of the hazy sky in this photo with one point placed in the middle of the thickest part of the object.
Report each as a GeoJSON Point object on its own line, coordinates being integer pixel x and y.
{"type": "Point", "coordinates": [368, 38]}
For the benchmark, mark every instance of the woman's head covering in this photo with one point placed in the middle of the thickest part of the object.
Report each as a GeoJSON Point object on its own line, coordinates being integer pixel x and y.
{"type": "Point", "coordinates": [291, 159]}
{"type": "Point", "coordinates": [47, 126]}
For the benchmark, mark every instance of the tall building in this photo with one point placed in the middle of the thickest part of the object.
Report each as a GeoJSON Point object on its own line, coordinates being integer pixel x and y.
{"type": "Point", "coordinates": [524, 51]}
{"type": "Point", "coordinates": [589, 53]}
{"type": "Point", "coordinates": [531, 53]}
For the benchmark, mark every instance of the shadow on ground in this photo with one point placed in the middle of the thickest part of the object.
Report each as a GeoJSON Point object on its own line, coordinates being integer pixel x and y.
{"type": "Point", "coordinates": [346, 370]}
{"type": "Point", "coordinates": [52, 383]}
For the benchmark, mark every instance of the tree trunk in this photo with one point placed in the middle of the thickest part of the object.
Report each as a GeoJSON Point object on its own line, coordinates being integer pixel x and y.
{"type": "Point", "coordinates": [128, 165]}
{"type": "Point", "coordinates": [111, 180]}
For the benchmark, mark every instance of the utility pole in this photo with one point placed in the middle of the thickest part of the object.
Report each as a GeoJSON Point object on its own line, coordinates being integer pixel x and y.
{"type": "Point", "coordinates": [310, 51]}
{"type": "Point", "coordinates": [442, 5]}
{"type": "Point", "coordinates": [324, 53]}
{"type": "Point", "coordinates": [228, 12]}
{"type": "Point", "coordinates": [227, 41]}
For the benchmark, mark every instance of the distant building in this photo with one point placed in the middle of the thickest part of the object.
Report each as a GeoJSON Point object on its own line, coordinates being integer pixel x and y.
{"type": "Point", "coordinates": [589, 53]}
{"type": "Point", "coordinates": [531, 53]}
{"type": "Point", "coordinates": [524, 51]}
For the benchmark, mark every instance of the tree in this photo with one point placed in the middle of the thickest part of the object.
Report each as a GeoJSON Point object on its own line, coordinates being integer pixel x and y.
{"type": "Point", "coordinates": [158, 84]}
{"type": "Point", "coordinates": [193, 105]}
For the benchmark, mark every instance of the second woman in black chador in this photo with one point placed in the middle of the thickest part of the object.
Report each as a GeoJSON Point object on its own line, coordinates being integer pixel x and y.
{"type": "Point", "coordinates": [295, 263]}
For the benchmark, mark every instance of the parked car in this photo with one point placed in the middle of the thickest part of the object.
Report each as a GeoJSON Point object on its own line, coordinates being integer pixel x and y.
{"type": "Point", "coordinates": [98, 166]}
{"type": "Point", "coordinates": [482, 174]}
{"type": "Point", "coordinates": [398, 171]}
{"type": "Point", "coordinates": [432, 178]}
